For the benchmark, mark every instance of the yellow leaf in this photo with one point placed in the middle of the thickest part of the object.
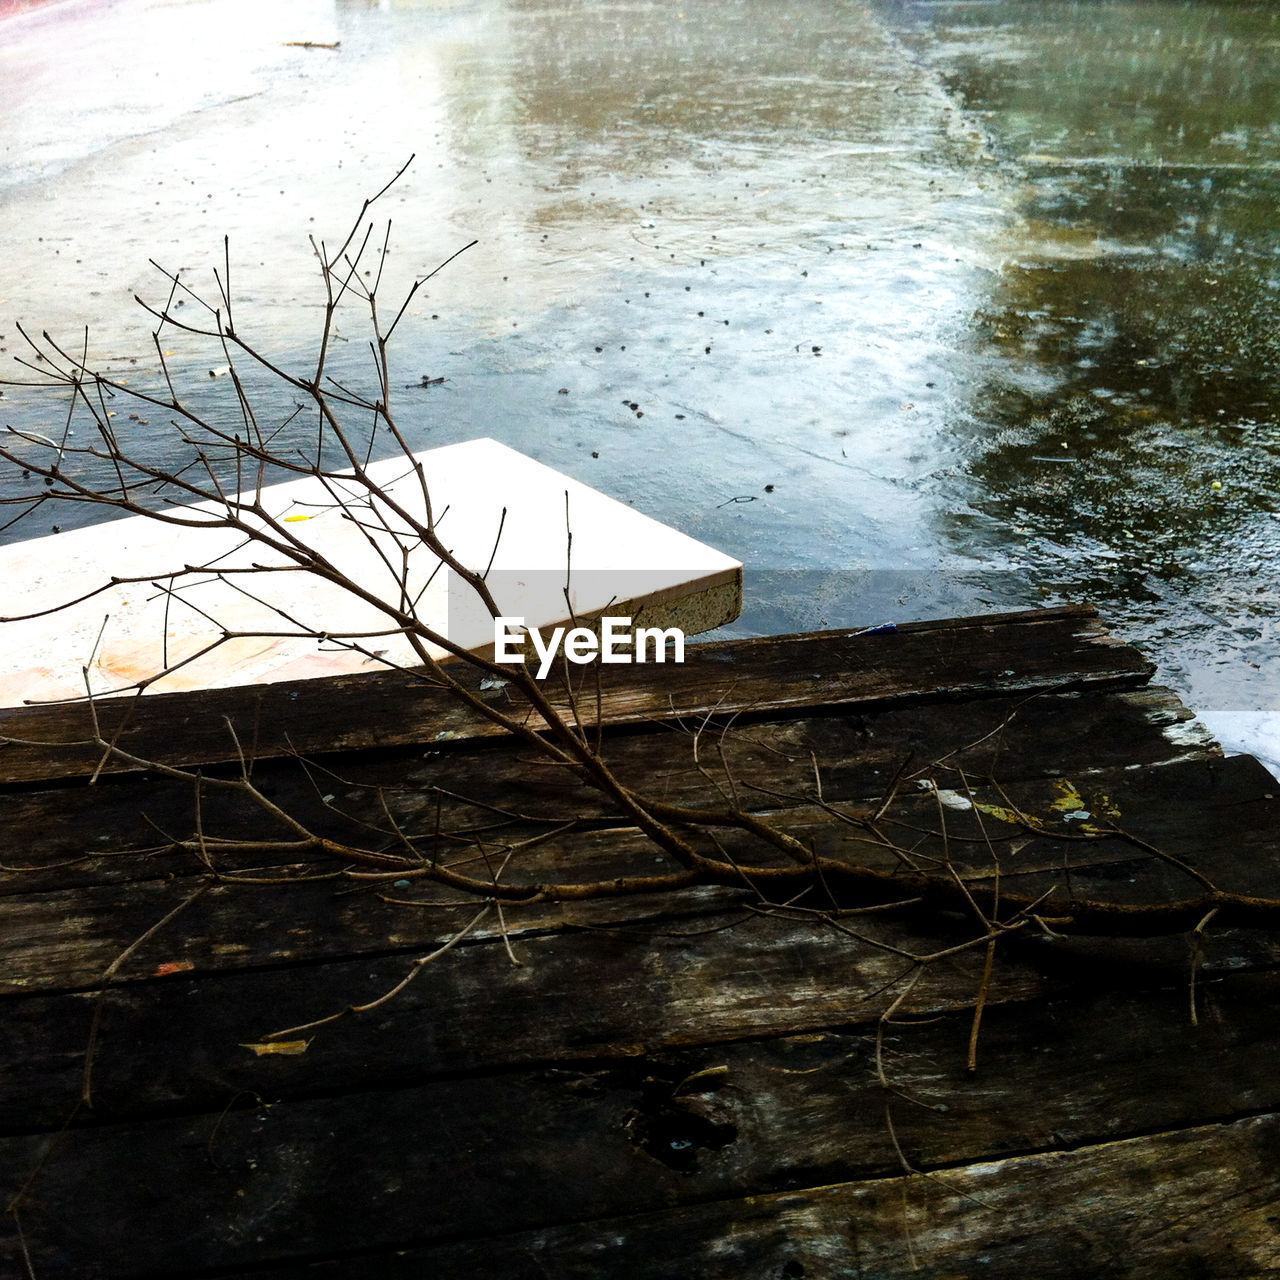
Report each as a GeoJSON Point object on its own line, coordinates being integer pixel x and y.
{"type": "Point", "coordinates": [278, 1046]}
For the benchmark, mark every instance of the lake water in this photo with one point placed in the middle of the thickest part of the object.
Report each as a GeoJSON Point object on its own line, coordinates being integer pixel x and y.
{"type": "Point", "coordinates": [924, 309]}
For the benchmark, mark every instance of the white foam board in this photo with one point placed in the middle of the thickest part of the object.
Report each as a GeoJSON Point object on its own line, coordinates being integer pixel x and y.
{"type": "Point", "coordinates": [620, 561]}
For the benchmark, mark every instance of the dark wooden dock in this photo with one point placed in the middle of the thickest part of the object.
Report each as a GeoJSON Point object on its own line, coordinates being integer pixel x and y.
{"type": "Point", "coordinates": [699, 1084]}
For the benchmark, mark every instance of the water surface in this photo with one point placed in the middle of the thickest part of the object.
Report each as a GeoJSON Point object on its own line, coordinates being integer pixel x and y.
{"type": "Point", "coordinates": [917, 309]}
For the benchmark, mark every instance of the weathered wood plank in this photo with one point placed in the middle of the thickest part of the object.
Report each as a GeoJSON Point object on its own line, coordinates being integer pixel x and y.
{"type": "Point", "coordinates": [399, 1167]}
{"type": "Point", "coordinates": [72, 835]}
{"type": "Point", "coordinates": [668, 971]}
{"type": "Point", "coordinates": [184, 1042]}
{"type": "Point", "coordinates": [559, 1092]}
{"type": "Point", "coordinates": [1225, 824]}
{"type": "Point", "coordinates": [999, 654]}
{"type": "Point", "coordinates": [1095, 1213]}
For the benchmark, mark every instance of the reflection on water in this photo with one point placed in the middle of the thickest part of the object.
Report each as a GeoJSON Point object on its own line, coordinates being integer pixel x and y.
{"type": "Point", "coordinates": [1123, 372]}
{"type": "Point", "coordinates": [1163, 81]}
{"type": "Point", "coordinates": [768, 244]}
{"type": "Point", "coordinates": [1130, 400]}
{"type": "Point", "coordinates": [990, 287]}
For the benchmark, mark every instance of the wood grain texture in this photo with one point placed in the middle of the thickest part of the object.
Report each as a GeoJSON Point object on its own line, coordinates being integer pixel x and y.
{"type": "Point", "coordinates": [65, 939]}
{"type": "Point", "coordinates": [73, 834]}
{"type": "Point", "coordinates": [262, 1179]}
{"type": "Point", "coordinates": [999, 654]}
{"type": "Point", "coordinates": [669, 1086]}
{"type": "Point", "coordinates": [1180, 1206]}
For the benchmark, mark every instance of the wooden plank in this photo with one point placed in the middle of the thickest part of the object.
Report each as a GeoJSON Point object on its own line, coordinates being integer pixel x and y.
{"type": "Point", "coordinates": [183, 1040]}
{"type": "Point", "coordinates": [531, 1098]}
{"type": "Point", "coordinates": [262, 1181]}
{"type": "Point", "coordinates": [1001, 654]}
{"type": "Point", "coordinates": [1219, 815]}
{"type": "Point", "coordinates": [237, 966]}
{"type": "Point", "coordinates": [1092, 1212]}
{"type": "Point", "coordinates": [74, 835]}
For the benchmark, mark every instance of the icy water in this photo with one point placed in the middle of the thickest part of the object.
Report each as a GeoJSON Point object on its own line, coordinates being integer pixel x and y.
{"type": "Point", "coordinates": [917, 309]}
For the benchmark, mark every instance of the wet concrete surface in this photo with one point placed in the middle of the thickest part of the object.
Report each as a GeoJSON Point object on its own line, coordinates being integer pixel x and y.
{"type": "Point", "coordinates": [917, 309]}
